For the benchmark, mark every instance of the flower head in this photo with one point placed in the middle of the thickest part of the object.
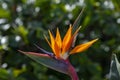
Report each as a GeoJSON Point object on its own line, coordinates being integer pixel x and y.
{"type": "Point", "coordinates": [62, 48]}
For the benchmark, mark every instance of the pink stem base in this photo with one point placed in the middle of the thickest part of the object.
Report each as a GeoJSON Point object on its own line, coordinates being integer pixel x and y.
{"type": "Point", "coordinates": [72, 72]}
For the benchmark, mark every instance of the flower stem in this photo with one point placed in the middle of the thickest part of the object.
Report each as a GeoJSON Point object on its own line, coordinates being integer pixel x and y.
{"type": "Point", "coordinates": [72, 72]}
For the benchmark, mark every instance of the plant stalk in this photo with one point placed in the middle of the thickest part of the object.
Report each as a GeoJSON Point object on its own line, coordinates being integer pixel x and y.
{"type": "Point", "coordinates": [72, 72]}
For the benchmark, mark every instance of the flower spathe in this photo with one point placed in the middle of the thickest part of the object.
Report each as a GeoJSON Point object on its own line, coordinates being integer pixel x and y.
{"type": "Point", "coordinates": [63, 48]}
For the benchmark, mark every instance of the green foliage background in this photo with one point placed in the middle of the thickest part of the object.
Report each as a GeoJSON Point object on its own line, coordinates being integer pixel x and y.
{"type": "Point", "coordinates": [23, 23]}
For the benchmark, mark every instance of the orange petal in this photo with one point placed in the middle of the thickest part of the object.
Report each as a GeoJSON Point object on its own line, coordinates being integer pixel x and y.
{"type": "Point", "coordinates": [52, 40]}
{"type": "Point", "coordinates": [72, 39]}
{"type": "Point", "coordinates": [56, 50]}
{"type": "Point", "coordinates": [54, 45]}
{"type": "Point", "coordinates": [82, 47]}
{"type": "Point", "coordinates": [66, 40]}
{"type": "Point", "coordinates": [58, 39]}
{"type": "Point", "coordinates": [47, 40]}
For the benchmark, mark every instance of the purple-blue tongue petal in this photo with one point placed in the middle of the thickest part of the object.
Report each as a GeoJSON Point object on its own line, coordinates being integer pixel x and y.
{"type": "Point", "coordinates": [48, 61]}
{"type": "Point", "coordinates": [44, 51]}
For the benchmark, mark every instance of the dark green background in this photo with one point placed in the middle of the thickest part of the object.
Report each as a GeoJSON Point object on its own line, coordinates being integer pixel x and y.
{"type": "Point", "coordinates": [23, 23]}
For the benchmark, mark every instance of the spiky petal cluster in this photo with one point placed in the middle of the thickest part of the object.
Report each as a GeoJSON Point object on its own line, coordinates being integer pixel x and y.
{"type": "Point", "coordinates": [62, 48]}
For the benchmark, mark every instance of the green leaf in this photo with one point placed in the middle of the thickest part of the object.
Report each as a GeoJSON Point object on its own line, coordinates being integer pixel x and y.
{"type": "Point", "coordinates": [114, 68]}
{"type": "Point", "coordinates": [116, 4]}
{"type": "Point", "coordinates": [22, 31]}
{"type": "Point", "coordinates": [4, 13]}
{"type": "Point", "coordinates": [3, 74]}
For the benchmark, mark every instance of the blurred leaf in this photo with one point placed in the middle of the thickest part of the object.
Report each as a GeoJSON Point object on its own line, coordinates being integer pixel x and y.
{"type": "Point", "coordinates": [4, 13]}
{"type": "Point", "coordinates": [3, 74]}
{"type": "Point", "coordinates": [114, 68]}
{"type": "Point", "coordinates": [23, 32]}
{"type": "Point", "coordinates": [116, 4]}
{"type": "Point", "coordinates": [17, 72]}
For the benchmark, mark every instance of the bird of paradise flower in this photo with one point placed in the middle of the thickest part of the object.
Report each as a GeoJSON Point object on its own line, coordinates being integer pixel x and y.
{"type": "Point", "coordinates": [62, 48]}
{"type": "Point", "coordinates": [58, 60]}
